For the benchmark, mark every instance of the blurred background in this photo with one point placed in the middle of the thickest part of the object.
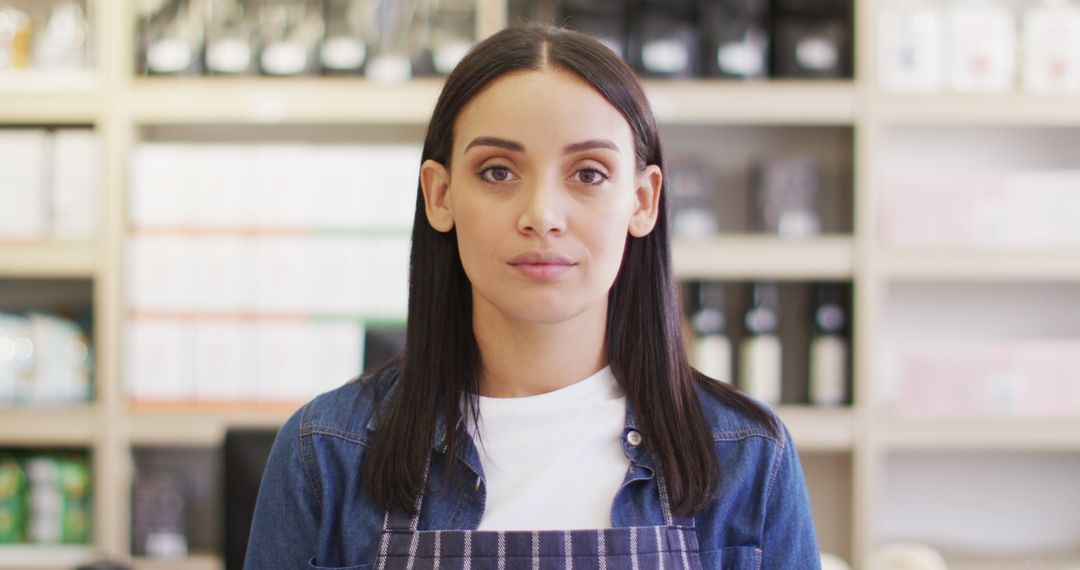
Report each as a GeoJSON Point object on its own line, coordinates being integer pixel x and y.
{"type": "Point", "coordinates": [204, 220]}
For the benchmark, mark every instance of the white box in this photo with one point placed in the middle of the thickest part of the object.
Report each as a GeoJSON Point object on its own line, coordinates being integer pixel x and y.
{"type": "Point", "coordinates": [161, 186]}
{"type": "Point", "coordinates": [24, 167]}
{"type": "Point", "coordinates": [225, 362]}
{"type": "Point", "coordinates": [1033, 377]}
{"type": "Point", "coordinates": [338, 350]}
{"type": "Point", "coordinates": [338, 198]}
{"type": "Point", "coordinates": [393, 185]}
{"type": "Point", "coordinates": [284, 177]}
{"type": "Point", "coordinates": [284, 278]}
{"type": "Point", "coordinates": [224, 274]}
{"type": "Point", "coordinates": [390, 277]}
{"type": "Point", "coordinates": [299, 360]}
{"type": "Point", "coordinates": [342, 275]}
{"type": "Point", "coordinates": [226, 186]}
{"type": "Point", "coordinates": [160, 361]}
{"type": "Point", "coordinates": [1051, 48]}
{"type": "Point", "coordinates": [911, 47]}
{"type": "Point", "coordinates": [76, 184]}
{"type": "Point", "coordinates": [982, 46]}
{"type": "Point", "coordinates": [161, 273]}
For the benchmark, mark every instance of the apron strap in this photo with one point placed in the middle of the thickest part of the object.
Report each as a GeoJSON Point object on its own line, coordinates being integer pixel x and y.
{"type": "Point", "coordinates": [397, 519]}
{"type": "Point", "coordinates": [670, 518]}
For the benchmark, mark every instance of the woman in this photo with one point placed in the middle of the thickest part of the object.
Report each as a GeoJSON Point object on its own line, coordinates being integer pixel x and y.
{"type": "Point", "coordinates": [543, 326]}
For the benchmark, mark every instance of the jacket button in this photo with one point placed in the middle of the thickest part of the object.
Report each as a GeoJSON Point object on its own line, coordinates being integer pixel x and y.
{"type": "Point", "coordinates": [478, 483]}
{"type": "Point", "coordinates": [633, 438]}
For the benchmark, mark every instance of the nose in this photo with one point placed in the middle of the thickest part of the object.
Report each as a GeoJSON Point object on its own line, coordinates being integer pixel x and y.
{"type": "Point", "coordinates": [542, 212]}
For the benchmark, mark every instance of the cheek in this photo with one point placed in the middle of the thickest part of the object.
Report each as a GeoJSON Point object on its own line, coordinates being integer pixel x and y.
{"type": "Point", "coordinates": [607, 240]}
{"type": "Point", "coordinates": [477, 240]}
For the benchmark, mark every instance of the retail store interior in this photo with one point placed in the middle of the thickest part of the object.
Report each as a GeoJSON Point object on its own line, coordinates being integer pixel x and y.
{"type": "Point", "coordinates": [874, 206]}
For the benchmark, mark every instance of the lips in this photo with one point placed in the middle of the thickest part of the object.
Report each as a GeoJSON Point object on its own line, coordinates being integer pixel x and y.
{"type": "Point", "coordinates": [541, 266]}
{"type": "Point", "coordinates": [541, 258]}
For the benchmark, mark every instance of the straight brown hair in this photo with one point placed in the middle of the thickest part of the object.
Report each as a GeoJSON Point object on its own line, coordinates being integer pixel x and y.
{"type": "Point", "coordinates": [644, 343]}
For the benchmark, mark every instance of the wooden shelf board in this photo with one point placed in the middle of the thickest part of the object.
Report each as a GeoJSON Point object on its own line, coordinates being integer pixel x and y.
{"type": "Point", "coordinates": [1014, 264]}
{"type": "Point", "coordinates": [45, 556]}
{"type": "Point", "coordinates": [967, 560]}
{"type": "Point", "coordinates": [48, 259]}
{"type": "Point", "coordinates": [282, 100]}
{"type": "Point", "coordinates": [980, 433]}
{"type": "Point", "coordinates": [819, 429]}
{"type": "Point", "coordinates": [997, 109]}
{"type": "Point", "coordinates": [182, 427]}
{"type": "Point", "coordinates": [764, 257]}
{"type": "Point", "coordinates": [51, 426]}
{"type": "Point", "coordinates": [340, 100]}
{"type": "Point", "coordinates": [776, 102]}
{"type": "Point", "coordinates": [192, 562]}
{"type": "Point", "coordinates": [37, 98]}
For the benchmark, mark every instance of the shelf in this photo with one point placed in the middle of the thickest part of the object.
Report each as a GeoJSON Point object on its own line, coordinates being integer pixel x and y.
{"type": "Point", "coordinates": [982, 264]}
{"type": "Point", "coordinates": [959, 560]}
{"type": "Point", "coordinates": [193, 562]}
{"type": "Point", "coordinates": [1018, 109]}
{"type": "Point", "coordinates": [752, 103]}
{"type": "Point", "coordinates": [193, 427]}
{"type": "Point", "coordinates": [30, 426]}
{"type": "Point", "coordinates": [764, 257]}
{"type": "Point", "coordinates": [980, 433]}
{"type": "Point", "coordinates": [37, 98]}
{"type": "Point", "coordinates": [47, 259]}
{"type": "Point", "coordinates": [338, 100]}
{"type": "Point", "coordinates": [45, 556]}
{"type": "Point", "coordinates": [282, 100]}
{"type": "Point", "coordinates": [819, 429]}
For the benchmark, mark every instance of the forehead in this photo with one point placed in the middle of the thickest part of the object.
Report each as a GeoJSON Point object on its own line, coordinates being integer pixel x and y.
{"type": "Point", "coordinates": [542, 109]}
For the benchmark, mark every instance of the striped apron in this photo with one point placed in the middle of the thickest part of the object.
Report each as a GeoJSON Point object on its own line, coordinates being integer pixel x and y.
{"type": "Point", "coordinates": [671, 546]}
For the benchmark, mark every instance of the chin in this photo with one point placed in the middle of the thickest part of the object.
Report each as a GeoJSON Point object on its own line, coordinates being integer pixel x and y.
{"type": "Point", "coordinates": [549, 307]}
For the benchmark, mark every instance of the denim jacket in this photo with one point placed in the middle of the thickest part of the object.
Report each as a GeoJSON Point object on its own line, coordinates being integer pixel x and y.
{"type": "Point", "coordinates": [313, 511]}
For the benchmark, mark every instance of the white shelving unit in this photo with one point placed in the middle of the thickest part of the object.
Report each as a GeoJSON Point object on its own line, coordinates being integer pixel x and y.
{"type": "Point", "coordinates": [846, 450]}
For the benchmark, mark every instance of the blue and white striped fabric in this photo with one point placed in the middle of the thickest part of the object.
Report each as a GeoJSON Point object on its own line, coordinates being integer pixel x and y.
{"type": "Point", "coordinates": [672, 546]}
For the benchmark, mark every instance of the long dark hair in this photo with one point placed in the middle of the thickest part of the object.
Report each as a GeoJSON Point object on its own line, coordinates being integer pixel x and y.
{"type": "Point", "coordinates": [644, 344]}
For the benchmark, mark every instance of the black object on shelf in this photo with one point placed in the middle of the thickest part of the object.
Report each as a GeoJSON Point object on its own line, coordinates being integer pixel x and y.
{"type": "Point", "coordinates": [812, 38]}
{"type": "Point", "coordinates": [246, 454]}
{"type": "Point", "coordinates": [104, 565]}
{"type": "Point", "coordinates": [381, 343]}
{"type": "Point", "coordinates": [664, 38]}
{"type": "Point", "coordinates": [606, 21]}
{"type": "Point", "coordinates": [735, 38]}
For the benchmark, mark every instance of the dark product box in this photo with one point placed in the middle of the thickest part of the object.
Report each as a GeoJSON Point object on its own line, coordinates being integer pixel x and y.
{"type": "Point", "coordinates": [812, 38]}
{"type": "Point", "coordinates": [735, 38]}
{"type": "Point", "coordinates": [664, 39]}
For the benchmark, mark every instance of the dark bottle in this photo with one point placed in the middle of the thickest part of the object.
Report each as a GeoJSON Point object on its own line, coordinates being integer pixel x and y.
{"type": "Point", "coordinates": [760, 351]}
{"type": "Point", "coordinates": [711, 349]}
{"type": "Point", "coordinates": [828, 348]}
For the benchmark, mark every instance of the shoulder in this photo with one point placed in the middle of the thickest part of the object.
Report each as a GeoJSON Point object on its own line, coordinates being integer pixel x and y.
{"type": "Point", "coordinates": [730, 416]}
{"type": "Point", "coordinates": [347, 412]}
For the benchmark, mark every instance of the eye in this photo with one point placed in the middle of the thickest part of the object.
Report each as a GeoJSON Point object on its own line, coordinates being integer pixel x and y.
{"type": "Point", "coordinates": [496, 174]}
{"type": "Point", "coordinates": [590, 176]}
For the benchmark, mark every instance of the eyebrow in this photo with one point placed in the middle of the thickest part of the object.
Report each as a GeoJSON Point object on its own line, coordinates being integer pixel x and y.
{"type": "Point", "coordinates": [518, 147]}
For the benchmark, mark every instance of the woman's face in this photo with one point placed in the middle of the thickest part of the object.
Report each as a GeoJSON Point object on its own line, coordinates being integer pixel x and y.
{"type": "Point", "coordinates": [543, 190]}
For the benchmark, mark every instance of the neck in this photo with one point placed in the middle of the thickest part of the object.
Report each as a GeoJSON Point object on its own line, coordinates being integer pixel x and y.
{"type": "Point", "coordinates": [528, 358]}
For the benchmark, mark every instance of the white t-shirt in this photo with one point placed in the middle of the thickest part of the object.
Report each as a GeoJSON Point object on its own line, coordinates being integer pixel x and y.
{"type": "Point", "coordinates": [553, 461]}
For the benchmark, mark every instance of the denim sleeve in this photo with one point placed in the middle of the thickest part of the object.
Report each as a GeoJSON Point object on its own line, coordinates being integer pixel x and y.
{"type": "Point", "coordinates": [789, 541]}
{"type": "Point", "coordinates": [286, 522]}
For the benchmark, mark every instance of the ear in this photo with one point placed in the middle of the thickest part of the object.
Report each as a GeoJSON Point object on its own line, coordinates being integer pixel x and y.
{"type": "Point", "coordinates": [646, 200]}
{"type": "Point", "coordinates": [435, 183]}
